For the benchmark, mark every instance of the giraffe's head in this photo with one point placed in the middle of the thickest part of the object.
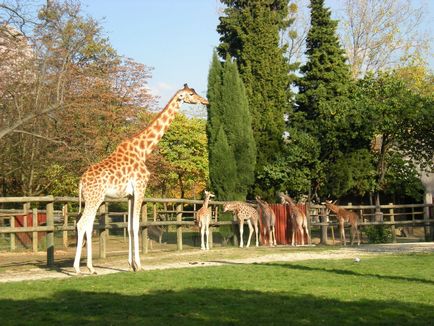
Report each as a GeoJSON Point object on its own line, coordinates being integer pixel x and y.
{"type": "Point", "coordinates": [208, 194]}
{"type": "Point", "coordinates": [229, 206]}
{"type": "Point", "coordinates": [283, 199]}
{"type": "Point", "coordinates": [188, 95]}
{"type": "Point", "coordinates": [330, 205]}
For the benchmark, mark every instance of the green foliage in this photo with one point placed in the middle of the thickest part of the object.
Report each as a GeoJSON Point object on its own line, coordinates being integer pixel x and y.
{"type": "Point", "coordinates": [231, 142]}
{"type": "Point", "coordinates": [250, 33]}
{"type": "Point", "coordinates": [325, 80]}
{"type": "Point", "coordinates": [60, 181]}
{"type": "Point", "coordinates": [222, 168]}
{"type": "Point", "coordinates": [295, 168]}
{"type": "Point", "coordinates": [402, 178]}
{"type": "Point", "coordinates": [402, 121]}
{"type": "Point", "coordinates": [378, 234]}
{"type": "Point", "coordinates": [183, 158]}
{"type": "Point", "coordinates": [353, 173]}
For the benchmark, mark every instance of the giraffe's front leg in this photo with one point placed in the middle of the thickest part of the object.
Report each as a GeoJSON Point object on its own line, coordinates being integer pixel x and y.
{"type": "Point", "coordinates": [138, 200]}
{"type": "Point", "coordinates": [207, 235]}
{"type": "Point", "coordinates": [202, 235]}
{"type": "Point", "coordinates": [250, 233]}
{"type": "Point", "coordinates": [89, 250]}
{"type": "Point", "coordinates": [241, 233]}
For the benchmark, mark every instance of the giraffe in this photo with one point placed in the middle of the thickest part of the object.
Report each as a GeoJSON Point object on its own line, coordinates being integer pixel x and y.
{"type": "Point", "coordinates": [203, 217]}
{"type": "Point", "coordinates": [298, 219]}
{"type": "Point", "coordinates": [124, 174]}
{"type": "Point", "coordinates": [243, 212]}
{"type": "Point", "coordinates": [269, 221]}
{"type": "Point", "coordinates": [343, 216]}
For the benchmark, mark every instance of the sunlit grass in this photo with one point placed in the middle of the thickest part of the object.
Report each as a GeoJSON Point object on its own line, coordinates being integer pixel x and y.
{"type": "Point", "coordinates": [387, 290]}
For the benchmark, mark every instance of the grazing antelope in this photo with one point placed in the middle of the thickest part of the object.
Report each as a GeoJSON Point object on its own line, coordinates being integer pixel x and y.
{"type": "Point", "coordinates": [268, 221]}
{"type": "Point", "coordinates": [244, 212]}
{"type": "Point", "coordinates": [203, 218]}
{"type": "Point", "coordinates": [298, 219]}
{"type": "Point", "coordinates": [343, 216]}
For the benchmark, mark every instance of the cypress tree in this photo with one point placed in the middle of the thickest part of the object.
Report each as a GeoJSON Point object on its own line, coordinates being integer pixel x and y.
{"type": "Point", "coordinates": [250, 34]}
{"type": "Point", "coordinates": [237, 124]}
{"type": "Point", "coordinates": [231, 142]}
{"type": "Point", "coordinates": [222, 167]}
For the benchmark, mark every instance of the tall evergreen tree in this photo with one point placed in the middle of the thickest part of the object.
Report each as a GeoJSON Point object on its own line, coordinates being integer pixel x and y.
{"type": "Point", "coordinates": [325, 72]}
{"type": "Point", "coordinates": [232, 152]}
{"type": "Point", "coordinates": [250, 34]}
{"type": "Point", "coordinates": [329, 113]}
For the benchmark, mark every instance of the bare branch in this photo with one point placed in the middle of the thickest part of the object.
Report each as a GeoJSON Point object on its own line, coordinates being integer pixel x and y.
{"type": "Point", "coordinates": [8, 129]}
{"type": "Point", "coordinates": [40, 136]}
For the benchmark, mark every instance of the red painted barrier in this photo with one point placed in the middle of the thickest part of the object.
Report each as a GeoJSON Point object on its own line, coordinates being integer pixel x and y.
{"type": "Point", "coordinates": [20, 221]}
{"type": "Point", "coordinates": [283, 225]}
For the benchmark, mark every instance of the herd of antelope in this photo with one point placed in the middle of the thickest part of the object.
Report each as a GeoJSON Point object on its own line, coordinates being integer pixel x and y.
{"type": "Point", "coordinates": [244, 211]}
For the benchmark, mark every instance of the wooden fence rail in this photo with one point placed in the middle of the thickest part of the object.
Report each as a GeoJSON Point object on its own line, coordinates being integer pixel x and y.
{"type": "Point", "coordinates": [180, 217]}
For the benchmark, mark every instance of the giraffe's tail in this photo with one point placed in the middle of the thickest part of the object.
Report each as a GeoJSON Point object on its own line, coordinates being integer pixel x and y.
{"type": "Point", "coordinates": [80, 188]}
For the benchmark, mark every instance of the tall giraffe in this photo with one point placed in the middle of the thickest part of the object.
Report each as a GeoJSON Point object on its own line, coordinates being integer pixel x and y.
{"type": "Point", "coordinates": [203, 217]}
{"type": "Point", "coordinates": [124, 174]}
{"type": "Point", "coordinates": [298, 219]}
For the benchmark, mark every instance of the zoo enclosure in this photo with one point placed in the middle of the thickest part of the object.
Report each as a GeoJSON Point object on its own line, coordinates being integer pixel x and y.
{"type": "Point", "coordinates": [37, 217]}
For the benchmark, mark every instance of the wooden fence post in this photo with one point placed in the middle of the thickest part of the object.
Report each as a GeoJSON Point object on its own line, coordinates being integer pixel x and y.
{"type": "Point", "coordinates": [179, 227]}
{"type": "Point", "coordinates": [50, 234]}
{"type": "Point", "coordinates": [35, 234]}
{"type": "Point", "coordinates": [323, 227]}
{"type": "Point", "coordinates": [144, 219]}
{"type": "Point", "coordinates": [12, 235]}
{"type": "Point", "coordinates": [26, 208]}
{"type": "Point", "coordinates": [102, 231]}
{"type": "Point", "coordinates": [392, 226]}
{"type": "Point", "coordinates": [65, 224]}
{"type": "Point", "coordinates": [429, 229]}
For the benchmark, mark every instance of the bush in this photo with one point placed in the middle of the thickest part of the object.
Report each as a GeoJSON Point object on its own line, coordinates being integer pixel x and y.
{"type": "Point", "coordinates": [379, 234]}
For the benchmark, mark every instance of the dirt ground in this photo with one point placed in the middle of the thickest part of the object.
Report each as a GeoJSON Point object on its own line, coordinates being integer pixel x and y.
{"type": "Point", "coordinates": [28, 266]}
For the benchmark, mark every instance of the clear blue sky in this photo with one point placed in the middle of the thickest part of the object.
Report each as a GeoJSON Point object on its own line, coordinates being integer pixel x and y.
{"type": "Point", "coordinates": [175, 37]}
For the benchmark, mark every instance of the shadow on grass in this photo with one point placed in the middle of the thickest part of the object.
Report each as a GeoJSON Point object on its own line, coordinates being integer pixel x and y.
{"type": "Point", "coordinates": [208, 307]}
{"type": "Point", "coordinates": [351, 273]}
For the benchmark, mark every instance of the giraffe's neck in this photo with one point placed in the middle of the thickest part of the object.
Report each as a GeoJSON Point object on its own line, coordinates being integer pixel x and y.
{"type": "Point", "coordinates": [149, 138]}
{"type": "Point", "coordinates": [205, 202]}
{"type": "Point", "coordinates": [290, 202]}
{"type": "Point", "coordinates": [333, 208]}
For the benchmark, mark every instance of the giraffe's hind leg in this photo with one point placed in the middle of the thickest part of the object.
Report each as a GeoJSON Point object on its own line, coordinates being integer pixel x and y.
{"type": "Point", "coordinates": [85, 226]}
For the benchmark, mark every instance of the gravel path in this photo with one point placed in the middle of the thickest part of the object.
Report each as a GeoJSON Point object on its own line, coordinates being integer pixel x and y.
{"type": "Point", "coordinates": [215, 257]}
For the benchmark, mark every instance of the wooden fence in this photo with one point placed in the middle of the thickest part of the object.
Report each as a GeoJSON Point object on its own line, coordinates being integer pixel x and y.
{"type": "Point", "coordinates": [46, 215]}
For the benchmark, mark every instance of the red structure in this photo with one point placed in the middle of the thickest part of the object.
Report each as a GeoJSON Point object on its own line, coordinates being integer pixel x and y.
{"type": "Point", "coordinates": [283, 224]}
{"type": "Point", "coordinates": [27, 220]}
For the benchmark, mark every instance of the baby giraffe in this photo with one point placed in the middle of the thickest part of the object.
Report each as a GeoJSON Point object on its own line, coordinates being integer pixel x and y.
{"type": "Point", "coordinates": [343, 216]}
{"type": "Point", "coordinates": [243, 212]}
{"type": "Point", "coordinates": [203, 218]}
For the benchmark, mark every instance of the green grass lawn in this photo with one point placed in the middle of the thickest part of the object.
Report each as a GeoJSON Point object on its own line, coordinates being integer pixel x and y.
{"type": "Point", "coordinates": [387, 290]}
